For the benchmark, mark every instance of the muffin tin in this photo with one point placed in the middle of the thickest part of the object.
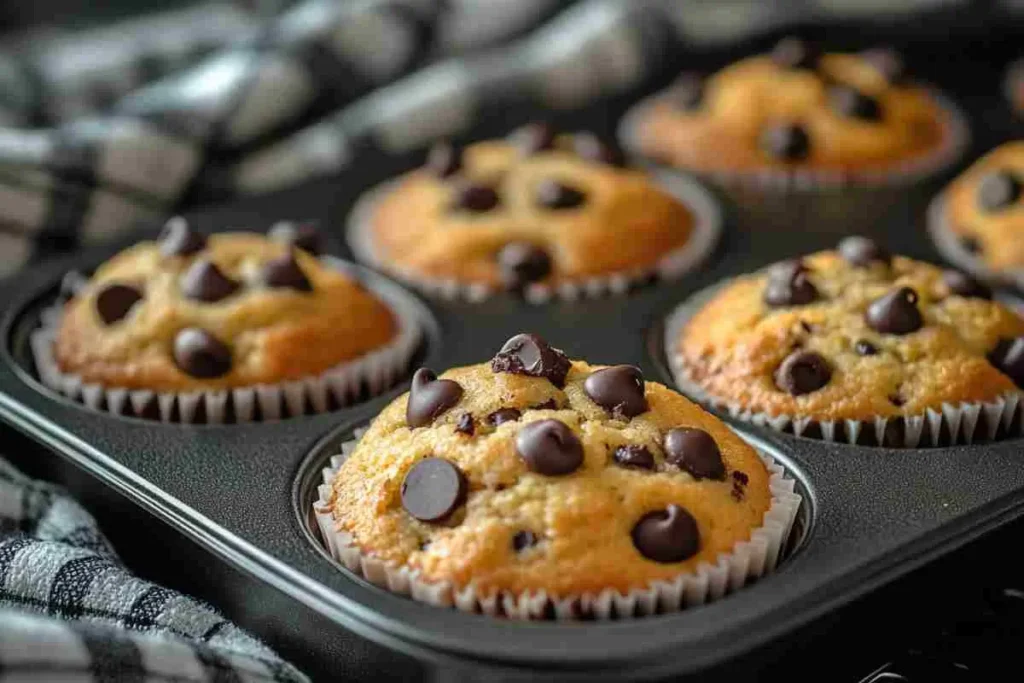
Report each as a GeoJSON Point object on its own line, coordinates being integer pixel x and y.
{"type": "Point", "coordinates": [241, 494]}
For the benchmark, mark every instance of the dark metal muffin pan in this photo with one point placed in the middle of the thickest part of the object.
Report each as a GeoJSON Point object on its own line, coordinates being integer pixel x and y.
{"type": "Point", "coordinates": [240, 494]}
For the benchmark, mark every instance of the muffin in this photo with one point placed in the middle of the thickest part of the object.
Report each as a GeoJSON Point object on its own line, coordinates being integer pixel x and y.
{"type": "Point", "coordinates": [234, 325]}
{"type": "Point", "coordinates": [855, 345]}
{"type": "Point", "coordinates": [798, 114]}
{"type": "Point", "coordinates": [535, 486]}
{"type": "Point", "coordinates": [538, 213]}
{"type": "Point", "coordinates": [978, 221]}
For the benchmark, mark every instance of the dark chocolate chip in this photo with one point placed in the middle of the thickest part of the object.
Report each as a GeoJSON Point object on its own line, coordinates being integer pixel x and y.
{"type": "Point", "coordinates": [862, 251]}
{"type": "Point", "coordinates": [114, 301]}
{"type": "Point", "coordinates": [591, 148]}
{"type": "Point", "coordinates": [962, 284]}
{"type": "Point", "coordinates": [851, 103]}
{"type": "Point", "coordinates": [998, 190]}
{"type": "Point", "coordinates": [305, 236]}
{"type": "Point", "coordinates": [793, 53]}
{"type": "Point", "coordinates": [897, 400]}
{"type": "Point", "coordinates": [474, 198]}
{"type": "Point", "coordinates": [788, 285]}
{"type": "Point", "coordinates": [204, 281]}
{"type": "Point", "coordinates": [444, 160]}
{"type": "Point", "coordinates": [71, 284]}
{"type": "Point", "coordinates": [549, 404]}
{"type": "Point", "coordinates": [465, 425]}
{"type": "Point", "coordinates": [970, 244]}
{"type": "Point", "coordinates": [199, 354]}
{"type": "Point", "coordinates": [523, 540]}
{"type": "Point", "coordinates": [739, 483]}
{"type": "Point", "coordinates": [687, 92]}
{"type": "Point", "coordinates": [634, 455]}
{"type": "Point", "coordinates": [432, 489]}
{"type": "Point", "coordinates": [554, 195]}
{"type": "Point", "coordinates": [887, 62]}
{"type": "Point", "coordinates": [895, 312]}
{"type": "Point", "coordinates": [1008, 357]}
{"type": "Point", "coordinates": [550, 448]}
{"type": "Point", "coordinates": [528, 354]}
{"type": "Point", "coordinates": [785, 141]}
{"type": "Point", "coordinates": [430, 397]}
{"type": "Point", "coordinates": [803, 372]}
{"type": "Point", "coordinates": [533, 138]}
{"type": "Point", "coordinates": [521, 263]}
{"type": "Point", "coordinates": [179, 239]}
{"type": "Point", "coordinates": [865, 348]}
{"type": "Point", "coordinates": [741, 477]}
{"type": "Point", "coordinates": [619, 389]}
{"type": "Point", "coordinates": [503, 415]}
{"type": "Point", "coordinates": [668, 535]}
{"type": "Point", "coordinates": [285, 272]}
{"type": "Point", "coordinates": [694, 451]}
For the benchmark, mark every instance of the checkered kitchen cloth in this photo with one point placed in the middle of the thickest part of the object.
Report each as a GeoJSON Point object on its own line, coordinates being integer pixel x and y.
{"type": "Point", "coordinates": [70, 612]}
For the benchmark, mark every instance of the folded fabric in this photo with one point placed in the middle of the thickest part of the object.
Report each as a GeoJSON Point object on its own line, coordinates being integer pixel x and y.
{"type": "Point", "coordinates": [70, 611]}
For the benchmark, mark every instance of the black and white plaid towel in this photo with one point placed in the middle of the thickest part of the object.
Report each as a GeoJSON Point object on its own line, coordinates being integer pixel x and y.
{"type": "Point", "coordinates": [70, 612]}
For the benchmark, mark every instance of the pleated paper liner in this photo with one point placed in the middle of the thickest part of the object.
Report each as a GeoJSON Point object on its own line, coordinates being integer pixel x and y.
{"type": "Point", "coordinates": [341, 385]}
{"type": "Point", "coordinates": [946, 424]}
{"type": "Point", "coordinates": [748, 561]}
{"type": "Point", "coordinates": [706, 230]}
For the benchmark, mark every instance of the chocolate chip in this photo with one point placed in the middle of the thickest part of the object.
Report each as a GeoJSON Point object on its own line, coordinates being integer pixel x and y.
{"type": "Point", "coordinates": [970, 244]}
{"type": "Point", "coordinates": [432, 489]}
{"type": "Point", "coordinates": [962, 284]}
{"type": "Point", "coordinates": [739, 483]}
{"type": "Point", "coordinates": [503, 415]}
{"type": "Point", "coordinates": [71, 284]}
{"type": "Point", "coordinates": [554, 195]}
{"type": "Point", "coordinates": [430, 397]}
{"type": "Point", "coordinates": [465, 425]}
{"type": "Point", "coordinates": [285, 272]}
{"type": "Point", "coordinates": [474, 198]}
{"type": "Point", "coordinates": [865, 348]}
{"type": "Point", "coordinates": [199, 354]}
{"type": "Point", "coordinates": [998, 190]}
{"type": "Point", "coordinates": [634, 455]}
{"type": "Point", "coordinates": [589, 147]}
{"type": "Point", "coordinates": [550, 448]}
{"type": "Point", "coordinates": [887, 62]}
{"type": "Point", "coordinates": [1008, 357]}
{"type": "Point", "coordinates": [895, 312]}
{"type": "Point", "coordinates": [619, 389]}
{"type": "Point", "coordinates": [786, 142]}
{"type": "Point", "coordinates": [788, 285]}
{"type": "Point", "coordinates": [444, 160]}
{"type": "Point", "coordinates": [114, 301]}
{"type": "Point", "coordinates": [528, 354]}
{"type": "Point", "coordinates": [741, 477]}
{"type": "Point", "coordinates": [688, 92]}
{"type": "Point", "coordinates": [204, 281]}
{"type": "Point", "coordinates": [521, 263]}
{"type": "Point", "coordinates": [694, 451]}
{"type": "Point", "coordinates": [523, 540]}
{"type": "Point", "coordinates": [305, 236]}
{"type": "Point", "coordinates": [533, 138]}
{"type": "Point", "coordinates": [862, 251]}
{"type": "Point", "coordinates": [897, 400]}
{"type": "Point", "coordinates": [549, 404]}
{"type": "Point", "coordinates": [851, 103]}
{"type": "Point", "coordinates": [793, 53]}
{"type": "Point", "coordinates": [179, 239]}
{"type": "Point", "coordinates": [803, 372]}
{"type": "Point", "coordinates": [668, 535]}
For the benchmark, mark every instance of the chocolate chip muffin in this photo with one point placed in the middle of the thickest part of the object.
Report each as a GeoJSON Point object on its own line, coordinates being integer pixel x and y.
{"type": "Point", "coordinates": [193, 314]}
{"type": "Point", "coordinates": [536, 475]}
{"type": "Point", "coordinates": [824, 117]}
{"type": "Point", "coordinates": [856, 345]}
{"type": "Point", "coordinates": [538, 211]}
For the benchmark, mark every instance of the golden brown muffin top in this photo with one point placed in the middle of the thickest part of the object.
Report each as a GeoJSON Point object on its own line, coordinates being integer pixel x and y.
{"type": "Point", "coordinates": [985, 208]}
{"type": "Point", "coordinates": [853, 334]}
{"type": "Point", "coordinates": [535, 208]}
{"type": "Point", "coordinates": [231, 310]}
{"type": "Point", "coordinates": [558, 491]}
{"type": "Point", "coordinates": [795, 108]}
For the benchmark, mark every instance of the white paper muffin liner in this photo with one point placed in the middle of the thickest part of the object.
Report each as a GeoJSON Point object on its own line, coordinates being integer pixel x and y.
{"type": "Point", "coordinates": [949, 423]}
{"type": "Point", "coordinates": [375, 372]}
{"type": "Point", "coordinates": [748, 561]}
{"type": "Point", "coordinates": [704, 235]}
{"type": "Point", "coordinates": [955, 140]}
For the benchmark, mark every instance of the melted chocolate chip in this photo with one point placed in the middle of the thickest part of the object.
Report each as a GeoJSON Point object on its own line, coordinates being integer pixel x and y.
{"type": "Point", "coordinates": [694, 451]}
{"type": "Point", "coordinates": [523, 540]}
{"type": "Point", "coordinates": [444, 160]}
{"type": "Point", "coordinates": [739, 483]}
{"type": "Point", "coordinates": [998, 190]}
{"type": "Point", "coordinates": [204, 281]}
{"type": "Point", "coordinates": [433, 489]}
{"type": "Point", "coordinates": [589, 147]}
{"type": "Point", "coordinates": [788, 285]}
{"type": "Point", "coordinates": [305, 236]}
{"type": "Point", "coordinates": [887, 62]}
{"type": "Point", "coordinates": [430, 397]}
{"type": "Point", "coordinates": [897, 400]}
{"type": "Point", "coordinates": [619, 389]}
{"type": "Point", "coordinates": [688, 92]}
{"type": "Point", "coordinates": [285, 272]}
{"type": "Point", "coordinates": [549, 404]}
{"type": "Point", "coordinates": [741, 477]}
{"type": "Point", "coordinates": [474, 198]}
{"type": "Point", "coordinates": [503, 415]}
{"type": "Point", "coordinates": [554, 195]}
{"type": "Point", "coordinates": [668, 535]}
{"type": "Point", "coordinates": [113, 302]}
{"type": "Point", "coordinates": [521, 263]}
{"type": "Point", "coordinates": [793, 53]}
{"type": "Point", "coordinates": [895, 312]}
{"type": "Point", "coordinates": [465, 425]}
{"type": "Point", "coordinates": [1008, 358]}
{"type": "Point", "coordinates": [533, 138]}
{"type": "Point", "coordinates": [865, 348]}
{"type": "Point", "coordinates": [550, 448]}
{"type": "Point", "coordinates": [786, 142]}
{"type": "Point", "coordinates": [179, 239]}
{"type": "Point", "coordinates": [71, 284]}
{"type": "Point", "coordinates": [803, 372]}
{"type": "Point", "coordinates": [199, 354]}
{"type": "Point", "coordinates": [970, 244]}
{"type": "Point", "coordinates": [851, 103]}
{"type": "Point", "coordinates": [862, 251]}
{"type": "Point", "coordinates": [635, 456]}
{"type": "Point", "coordinates": [962, 284]}
{"type": "Point", "coordinates": [528, 354]}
